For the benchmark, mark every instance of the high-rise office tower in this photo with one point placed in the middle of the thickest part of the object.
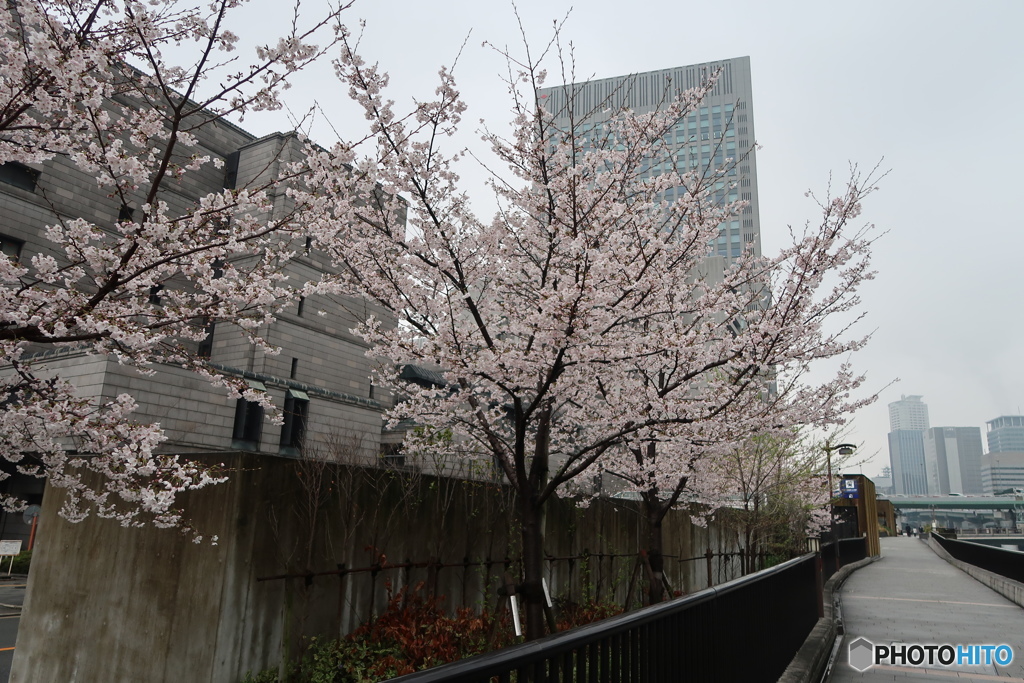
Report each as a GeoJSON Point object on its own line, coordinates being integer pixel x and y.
{"type": "Point", "coordinates": [1002, 468]}
{"type": "Point", "coordinates": [906, 455]}
{"type": "Point", "coordinates": [908, 418]}
{"type": "Point", "coordinates": [952, 457]}
{"type": "Point", "coordinates": [719, 130]}
{"type": "Point", "coordinates": [908, 413]}
{"type": "Point", "coordinates": [1006, 434]}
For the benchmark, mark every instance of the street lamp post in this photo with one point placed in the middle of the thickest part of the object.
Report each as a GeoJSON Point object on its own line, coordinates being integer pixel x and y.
{"type": "Point", "coordinates": [843, 449]}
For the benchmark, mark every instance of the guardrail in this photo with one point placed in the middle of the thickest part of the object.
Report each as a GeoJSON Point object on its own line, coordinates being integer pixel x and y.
{"type": "Point", "coordinates": [1008, 563]}
{"type": "Point", "coordinates": [744, 630]}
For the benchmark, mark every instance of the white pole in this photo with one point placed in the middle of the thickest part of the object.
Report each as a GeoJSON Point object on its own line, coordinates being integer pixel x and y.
{"type": "Point", "coordinates": [515, 614]}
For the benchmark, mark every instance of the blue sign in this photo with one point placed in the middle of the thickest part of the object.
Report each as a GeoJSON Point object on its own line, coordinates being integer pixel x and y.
{"type": "Point", "coordinates": [848, 488]}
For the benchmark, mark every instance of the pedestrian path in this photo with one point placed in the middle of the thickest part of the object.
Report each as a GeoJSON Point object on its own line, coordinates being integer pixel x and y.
{"type": "Point", "coordinates": [912, 596]}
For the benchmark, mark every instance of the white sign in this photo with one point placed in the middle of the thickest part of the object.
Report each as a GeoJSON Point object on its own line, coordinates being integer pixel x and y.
{"type": "Point", "coordinates": [10, 548]}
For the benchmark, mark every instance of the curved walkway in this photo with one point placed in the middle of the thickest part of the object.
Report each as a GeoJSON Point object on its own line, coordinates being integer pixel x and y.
{"type": "Point", "coordinates": [912, 596]}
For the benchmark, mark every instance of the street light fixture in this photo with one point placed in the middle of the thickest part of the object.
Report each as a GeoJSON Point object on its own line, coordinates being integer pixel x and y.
{"type": "Point", "coordinates": [842, 449]}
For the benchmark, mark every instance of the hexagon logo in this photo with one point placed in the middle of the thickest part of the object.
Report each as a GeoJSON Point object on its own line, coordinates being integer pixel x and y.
{"type": "Point", "coordinates": [862, 654]}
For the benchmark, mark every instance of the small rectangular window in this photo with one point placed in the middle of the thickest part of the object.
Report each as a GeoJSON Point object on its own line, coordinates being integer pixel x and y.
{"type": "Point", "coordinates": [125, 214]}
{"type": "Point", "coordinates": [11, 248]}
{"type": "Point", "coordinates": [231, 170]}
{"type": "Point", "coordinates": [205, 349]}
{"type": "Point", "coordinates": [248, 425]}
{"type": "Point", "coordinates": [295, 368]}
{"type": "Point", "coordinates": [19, 175]}
{"type": "Point", "coordinates": [392, 455]}
{"type": "Point", "coordinates": [296, 412]}
{"type": "Point", "coordinates": [302, 304]}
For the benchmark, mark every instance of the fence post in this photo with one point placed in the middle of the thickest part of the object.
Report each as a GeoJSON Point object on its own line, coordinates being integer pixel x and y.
{"type": "Point", "coordinates": [341, 595]}
{"type": "Point", "coordinates": [711, 578]}
{"type": "Point", "coordinates": [432, 571]}
{"type": "Point", "coordinates": [819, 584]}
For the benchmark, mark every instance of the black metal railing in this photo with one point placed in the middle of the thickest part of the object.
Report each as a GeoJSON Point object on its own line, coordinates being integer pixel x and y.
{"type": "Point", "coordinates": [850, 550]}
{"type": "Point", "coordinates": [1008, 563]}
{"type": "Point", "coordinates": [748, 629]}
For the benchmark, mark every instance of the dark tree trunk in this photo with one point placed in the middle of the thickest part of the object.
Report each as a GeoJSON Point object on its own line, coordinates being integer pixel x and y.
{"type": "Point", "coordinates": [532, 591]}
{"type": "Point", "coordinates": [531, 512]}
{"type": "Point", "coordinates": [655, 553]}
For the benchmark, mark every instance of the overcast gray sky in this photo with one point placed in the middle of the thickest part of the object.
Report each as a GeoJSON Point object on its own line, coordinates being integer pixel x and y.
{"type": "Point", "coordinates": [928, 86]}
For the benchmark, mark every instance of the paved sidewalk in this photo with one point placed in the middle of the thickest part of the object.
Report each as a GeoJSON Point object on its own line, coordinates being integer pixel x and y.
{"type": "Point", "coordinates": [913, 596]}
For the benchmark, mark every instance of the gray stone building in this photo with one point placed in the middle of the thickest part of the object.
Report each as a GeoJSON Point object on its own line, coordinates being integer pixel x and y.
{"type": "Point", "coordinates": [321, 376]}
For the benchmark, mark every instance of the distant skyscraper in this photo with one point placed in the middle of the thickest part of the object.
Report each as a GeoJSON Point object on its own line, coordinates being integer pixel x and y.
{"type": "Point", "coordinates": [1006, 434]}
{"type": "Point", "coordinates": [908, 413]}
{"type": "Point", "coordinates": [906, 453]}
{"type": "Point", "coordinates": [1002, 468]}
{"type": "Point", "coordinates": [908, 418]}
{"type": "Point", "coordinates": [721, 128]}
{"type": "Point", "coordinates": [952, 458]}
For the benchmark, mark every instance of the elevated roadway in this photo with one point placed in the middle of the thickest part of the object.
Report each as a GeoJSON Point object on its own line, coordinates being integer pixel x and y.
{"type": "Point", "coordinates": [957, 502]}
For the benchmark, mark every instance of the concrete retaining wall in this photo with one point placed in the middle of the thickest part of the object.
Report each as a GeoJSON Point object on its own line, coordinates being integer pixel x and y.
{"type": "Point", "coordinates": [106, 603]}
{"type": "Point", "coordinates": [1008, 588]}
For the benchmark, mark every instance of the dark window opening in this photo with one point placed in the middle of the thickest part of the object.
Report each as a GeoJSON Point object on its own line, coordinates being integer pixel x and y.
{"type": "Point", "coordinates": [392, 455]}
{"type": "Point", "coordinates": [302, 304]}
{"type": "Point", "coordinates": [154, 294]}
{"type": "Point", "coordinates": [125, 214]}
{"type": "Point", "coordinates": [231, 170]}
{"type": "Point", "coordinates": [309, 244]}
{"type": "Point", "coordinates": [295, 368]}
{"type": "Point", "coordinates": [19, 175]}
{"type": "Point", "coordinates": [205, 349]}
{"type": "Point", "coordinates": [296, 412]}
{"type": "Point", "coordinates": [248, 425]}
{"type": "Point", "coordinates": [11, 247]}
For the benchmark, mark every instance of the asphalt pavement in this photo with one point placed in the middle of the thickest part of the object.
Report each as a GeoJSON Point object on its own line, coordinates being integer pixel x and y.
{"type": "Point", "coordinates": [912, 596]}
{"type": "Point", "coordinates": [12, 595]}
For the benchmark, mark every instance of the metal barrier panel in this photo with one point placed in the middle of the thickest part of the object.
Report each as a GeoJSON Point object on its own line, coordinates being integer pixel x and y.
{"type": "Point", "coordinates": [746, 630]}
{"type": "Point", "coordinates": [849, 549]}
{"type": "Point", "coordinates": [1008, 563]}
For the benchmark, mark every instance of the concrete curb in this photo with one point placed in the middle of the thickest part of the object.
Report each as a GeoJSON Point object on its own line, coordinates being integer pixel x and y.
{"type": "Point", "coordinates": [813, 657]}
{"type": "Point", "coordinates": [1008, 588]}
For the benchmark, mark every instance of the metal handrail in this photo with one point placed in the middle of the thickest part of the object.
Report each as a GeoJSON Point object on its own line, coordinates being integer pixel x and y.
{"type": "Point", "coordinates": [483, 667]}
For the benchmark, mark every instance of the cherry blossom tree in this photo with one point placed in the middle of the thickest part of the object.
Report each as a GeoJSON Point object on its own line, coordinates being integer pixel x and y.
{"type": "Point", "coordinates": [790, 310]}
{"type": "Point", "coordinates": [579, 327]}
{"type": "Point", "coordinates": [121, 91]}
{"type": "Point", "coordinates": [779, 485]}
